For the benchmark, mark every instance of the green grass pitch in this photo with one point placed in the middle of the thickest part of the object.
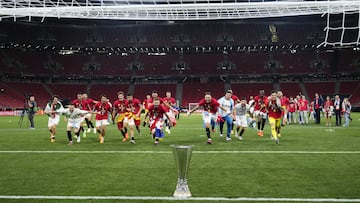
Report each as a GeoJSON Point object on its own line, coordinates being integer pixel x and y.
{"type": "Point", "coordinates": [311, 161]}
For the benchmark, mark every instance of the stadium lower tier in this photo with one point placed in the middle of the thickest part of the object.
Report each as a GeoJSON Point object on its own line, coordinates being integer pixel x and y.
{"type": "Point", "coordinates": [14, 95]}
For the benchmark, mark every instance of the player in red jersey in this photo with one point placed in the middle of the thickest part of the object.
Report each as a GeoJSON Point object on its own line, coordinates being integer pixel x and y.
{"type": "Point", "coordinates": [292, 110]}
{"type": "Point", "coordinates": [132, 118]}
{"type": "Point", "coordinates": [170, 104]}
{"type": "Point", "coordinates": [328, 108]}
{"type": "Point", "coordinates": [88, 105]}
{"type": "Point", "coordinates": [118, 113]}
{"type": "Point", "coordinates": [303, 110]}
{"type": "Point", "coordinates": [210, 106]}
{"type": "Point", "coordinates": [284, 104]}
{"type": "Point", "coordinates": [146, 103]}
{"type": "Point", "coordinates": [102, 110]}
{"type": "Point", "coordinates": [156, 115]}
{"type": "Point", "coordinates": [260, 111]}
{"type": "Point", "coordinates": [78, 101]}
{"type": "Point", "coordinates": [275, 111]}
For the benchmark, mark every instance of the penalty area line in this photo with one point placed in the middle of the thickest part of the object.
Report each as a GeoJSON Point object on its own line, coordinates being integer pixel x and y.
{"type": "Point", "coordinates": [178, 199]}
{"type": "Point", "coordinates": [169, 152]}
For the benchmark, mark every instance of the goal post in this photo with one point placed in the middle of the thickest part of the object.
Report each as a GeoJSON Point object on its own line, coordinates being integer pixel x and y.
{"type": "Point", "coordinates": [192, 105]}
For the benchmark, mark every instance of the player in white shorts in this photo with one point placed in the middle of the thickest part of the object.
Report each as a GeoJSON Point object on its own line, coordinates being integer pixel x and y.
{"type": "Point", "coordinates": [102, 109]}
{"type": "Point", "coordinates": [74, 117]}
{"type": "Point", "coordinates": [53, 109]}
{"type": "Point", "coordinates": [240, 113]}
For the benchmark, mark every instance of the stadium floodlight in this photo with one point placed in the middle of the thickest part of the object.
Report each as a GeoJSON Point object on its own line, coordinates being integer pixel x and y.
{"type": "Point", "coordinates": [171, 10]}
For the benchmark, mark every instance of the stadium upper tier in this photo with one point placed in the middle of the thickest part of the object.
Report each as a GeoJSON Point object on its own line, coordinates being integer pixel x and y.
{"type": "Point", "coordinates": [242, 63]}
{"type": "Point", "coordinates": [305, 30]}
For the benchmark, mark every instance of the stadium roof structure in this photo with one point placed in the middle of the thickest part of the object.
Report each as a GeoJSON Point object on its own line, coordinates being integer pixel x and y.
{"type": "Point", "coordinates": [171, 10]}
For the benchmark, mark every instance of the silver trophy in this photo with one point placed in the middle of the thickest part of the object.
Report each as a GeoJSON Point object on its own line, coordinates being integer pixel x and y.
{"type": "Point", "coordinates": [182, 156]}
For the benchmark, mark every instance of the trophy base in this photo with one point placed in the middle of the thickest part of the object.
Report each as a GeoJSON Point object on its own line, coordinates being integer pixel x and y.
{"type": "Point", "coordinates": [182, 189]}
{"type": "Point", "coordinates": [182, 194]}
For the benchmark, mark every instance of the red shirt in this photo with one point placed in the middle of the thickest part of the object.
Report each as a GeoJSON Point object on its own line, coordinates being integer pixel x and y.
{"type": "Point", "coordinates": [87, 104]}
{"type": "Point", "coordinates": [274, 110]}
{"type": "Point", "coordinates": [292, 107]}
{"type": "Point", "coordinates": [120, 106]}
{"type": "Point", "coordinates": [157, 112]}
{"type": "Point", "coordinates": [77, 103]}
{"type": "Point", "coordinates": [303, 104]}
{"type": "Point", "coordinates": [147, 102]}
{"type": "Point", "coordinates": [260, 102]}
{"type": "Point", "coordinates": [284, 101]}
{"type": "Point", "coordinates": [133, 106]}
{"type": "Point", "coordinates": [170, 101]}
{"type": "Point", "coordinates": [211, 107]}
{"type": "Point", "coordinates": [102, 110]}
{"type": "Point", "coordinates": [235, 98]}
{"type": "Point", "coordinates": [327, 105]}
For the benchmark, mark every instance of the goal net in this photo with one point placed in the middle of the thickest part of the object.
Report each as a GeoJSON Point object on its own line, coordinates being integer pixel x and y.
{"type": "Point", "coordinates": [342, 28]}
{"type": "Point", "coordinates": [192, 105]}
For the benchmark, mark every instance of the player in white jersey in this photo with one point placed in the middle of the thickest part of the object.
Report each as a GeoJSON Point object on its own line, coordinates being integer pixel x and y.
{"type": "Point", "coordinates": [53, 109]}
{"type": "Point", "coordinates": [226, 116]}
{"type": "Point", "coordinates": [74, 118]}
{"type": "Point", "coordinates": [240, 113]}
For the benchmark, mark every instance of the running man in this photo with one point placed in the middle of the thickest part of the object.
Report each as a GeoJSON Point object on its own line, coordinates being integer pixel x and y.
{"type": "Point", "coordinates": [118, 113]}
{"type": "Point", "coordinates": [240, 113]}
{"type": "Point", "coordinates": [132, 115]}
{"type": "Point", "coordinates": [74, 117]}
{"type": "Point", "coordinates": [170, 104]}
{"type": "Point", "coordinates": [102, 110]}
{"type": "Point", "coordinates": [53, 109]}
{"type": "Point", "coordinates": [275, 113]}
{"type": "Point", "coordinates": [78, 104]}
{"type": "Point", "coordinates": [226, 114]}
{"type": "Point", "coordinates": [210, 106]}
{"type": "Point", "coordinates": [88, 105]}
{"type": "Point", "coordinates": [156, 115]}
{"type": "Point", "coordinates": [260, 111]}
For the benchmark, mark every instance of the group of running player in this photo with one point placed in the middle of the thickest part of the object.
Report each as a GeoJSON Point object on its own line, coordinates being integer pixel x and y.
{"type": "Point", "coordinates": [241, 113]}
{"type": "Point", "coordinates": [160, 112]}
{"type": "Point", "coordinates": [125, 112]}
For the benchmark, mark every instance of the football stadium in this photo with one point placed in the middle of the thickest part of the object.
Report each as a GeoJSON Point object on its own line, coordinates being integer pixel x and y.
{"type": "Point", "coordinates": [179, 101]}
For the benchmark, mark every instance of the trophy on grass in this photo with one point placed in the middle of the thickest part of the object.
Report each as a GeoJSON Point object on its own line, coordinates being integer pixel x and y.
{"type": "Point", "coordinates": [182, 156]}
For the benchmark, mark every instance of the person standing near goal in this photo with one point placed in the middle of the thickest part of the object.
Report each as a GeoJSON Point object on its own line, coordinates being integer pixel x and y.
{"type": "Point", "coordinates": [53, 109]}
{"type": "Point", "coordinates": [209, 114]}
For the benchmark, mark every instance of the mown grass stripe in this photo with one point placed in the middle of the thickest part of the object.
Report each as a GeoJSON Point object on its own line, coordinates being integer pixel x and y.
{"type": "Point", "coordinates": [178, 199]}
{"type": "Point", "coordinates": [168, 152]}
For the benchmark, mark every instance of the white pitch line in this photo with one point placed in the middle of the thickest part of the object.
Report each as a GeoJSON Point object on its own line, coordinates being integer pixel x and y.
{"type": "Point", "coordinates": [169, 152]}
{"type": "Point", "coordinates": [179, 199]}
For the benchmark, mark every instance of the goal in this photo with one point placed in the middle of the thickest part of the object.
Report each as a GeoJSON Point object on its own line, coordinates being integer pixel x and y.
{"type": "Point", "coordinates": [192, 105]}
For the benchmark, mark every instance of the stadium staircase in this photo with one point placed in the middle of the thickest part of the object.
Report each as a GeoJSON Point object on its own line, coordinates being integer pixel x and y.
{"type": "Point", "coordinates": [303, 89]}
{"type": "Point", "coordinates": [179, 91]}
{"type": "Point", "coordinates": [47, 89]}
